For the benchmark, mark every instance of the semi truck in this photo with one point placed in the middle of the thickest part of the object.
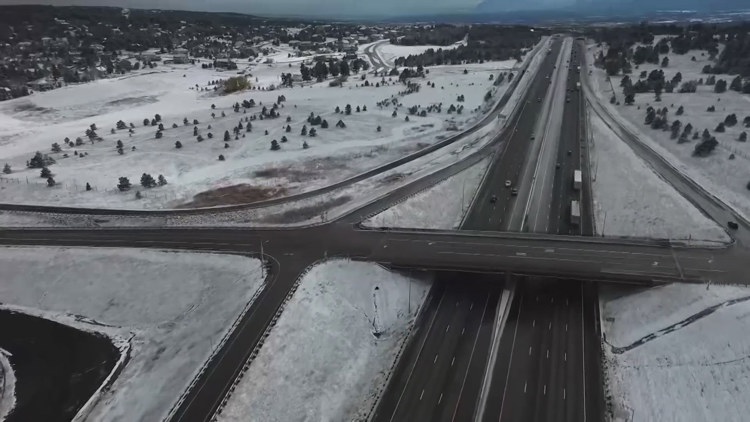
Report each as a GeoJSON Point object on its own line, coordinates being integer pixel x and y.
{"type": "Point", "coordinates": [577, 179]}
{"type": "Point", "coordinates": [575, 213]}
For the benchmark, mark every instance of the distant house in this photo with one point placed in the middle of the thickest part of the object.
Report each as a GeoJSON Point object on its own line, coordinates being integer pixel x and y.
{"type": "Point", "coordinates": [149, 57]}
{"type": "Point", "coordinates": [5, 93]}
{"type": "Point", "coordinates": [225, 64]}
{"type": "Point", "coordinates": [43, 85]}
{"type": "Point", "coordinates": [180, 56]}
{"type": "Point", "coordinates": [350, 49]}
{"type": "Point", "coordinates": [296, 77]}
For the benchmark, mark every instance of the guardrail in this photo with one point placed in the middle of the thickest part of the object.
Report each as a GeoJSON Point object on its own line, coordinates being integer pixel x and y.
{"type": "Point", "coordinates": [618, 241]}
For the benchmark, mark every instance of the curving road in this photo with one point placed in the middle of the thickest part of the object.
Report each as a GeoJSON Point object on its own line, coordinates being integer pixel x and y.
{"type": "Point", "coordinates": [442, 371]}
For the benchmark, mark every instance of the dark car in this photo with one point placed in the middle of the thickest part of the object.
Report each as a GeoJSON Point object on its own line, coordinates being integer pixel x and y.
{"type": "Point", "coordinates": [732, 225]}
{"type": "Point", "coordinates": [570, 152]}
{"type": "Point", "coordinates": [514, 191]}
{"type": "Point", "coordinates": [493, 199]}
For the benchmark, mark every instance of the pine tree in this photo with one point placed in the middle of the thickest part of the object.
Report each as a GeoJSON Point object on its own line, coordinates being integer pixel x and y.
{"type": "Point", "coordinates": [45, 173]}
{"type": "Point", "coordinates": [227, 137]}
{"type": "Point", "coordinates": [161, 180]}
{"type": "Point", "coordinates": [147, 181]}
{"type": "Point", "coordinates": [6, 169]}
{"type": "Point", "coordinates": [88, 187]}
{"type": "Point", "coordinates": [305, 145]}
{"type": "Point", "coordinates": [178, 144]}
{"type": "Point", "coordinates": [50, 182]}
{"type": "Point", "coordinates": [221, 157]}
{"type": "Point", "coordinates": [275, 145]}
{"type": "Point", "coordinates": [742, 138]}
{"type": "Point", "coordinates": [124, 184]}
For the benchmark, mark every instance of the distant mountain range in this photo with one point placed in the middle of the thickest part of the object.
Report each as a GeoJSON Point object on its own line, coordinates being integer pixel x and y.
{"type": "Point", "coordinates": [594, 11]}
{"type": "Point", "coordinates": [612, 6]}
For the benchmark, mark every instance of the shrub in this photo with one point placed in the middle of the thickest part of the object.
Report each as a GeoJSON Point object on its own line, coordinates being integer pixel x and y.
{"type": "Point", "coordinates": [236, 83]}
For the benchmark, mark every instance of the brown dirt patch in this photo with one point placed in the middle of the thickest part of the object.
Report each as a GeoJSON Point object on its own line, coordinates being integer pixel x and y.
{"type": "Point", "coordinates": [235, 194]}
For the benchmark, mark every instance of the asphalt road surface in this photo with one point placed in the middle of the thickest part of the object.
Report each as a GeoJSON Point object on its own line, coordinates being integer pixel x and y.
{"type": "Point", "coordinates": [548, 356]}
{"type": "Point", "coordinates": [440, 375]}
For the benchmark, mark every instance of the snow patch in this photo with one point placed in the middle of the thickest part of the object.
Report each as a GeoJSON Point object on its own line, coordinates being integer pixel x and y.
{"type": "Point", "coordinates": [438, 207]}
{"type": "Point", "coordinates": [176, 306]}
{"type": "Point", "coordinates": [696, 371]}
{"type": "Point", "coordinates": [630, 199]}
{"type": "Point", "coordinates": [333, 347]}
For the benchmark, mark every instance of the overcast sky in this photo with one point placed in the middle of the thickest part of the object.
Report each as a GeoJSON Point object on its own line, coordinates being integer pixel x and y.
{"type": "Point", "coordinates": [316, 8]}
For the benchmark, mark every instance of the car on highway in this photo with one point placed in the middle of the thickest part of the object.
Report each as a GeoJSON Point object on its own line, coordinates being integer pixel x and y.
{"type": "Point", "coordinates": [732, 225]}
{"type": "Point", "coordinates": [570, 152]}
{"type": "Point", "coordinates": [533, 137]}
{"type": "Point", "coordinates": [557, 166]}
{"type": "Point", "coordinates": [514, 191]}
{"type": "Point", "coordinates": [507, 183]}
{"type": "Point", "coordinates": [539, 99]}
{"type": "Point", "coordinates": [493, 199]}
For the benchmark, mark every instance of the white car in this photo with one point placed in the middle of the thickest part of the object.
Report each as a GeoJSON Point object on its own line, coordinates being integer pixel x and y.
{"type": "Point", "coordinates": [507, 183]}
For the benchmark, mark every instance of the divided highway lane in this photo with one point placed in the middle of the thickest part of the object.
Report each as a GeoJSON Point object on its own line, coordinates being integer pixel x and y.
{"type": "Point", "coordinates": [424, 389]}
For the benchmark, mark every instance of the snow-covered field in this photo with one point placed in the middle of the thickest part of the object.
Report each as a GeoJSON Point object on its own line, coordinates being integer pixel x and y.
{"type": "Point", "coordinates": [389, 52]}
{"type": "Point", "coordinates": [724, 177]}
{"type": "Point", "coordinates": [329, 355]}
{"type": "Point", "coordinates": [630, 199]}
{"type": "Point", "coordinates": [251, 170]}
{"type": "Point", "coordinates": [7, 386]}
{"type": "Point", "coordinates": [677, 353]}
{"type": "Point", "coordinates": [173, 308]}
{"type": "Point", "coordinates": [440, 207]}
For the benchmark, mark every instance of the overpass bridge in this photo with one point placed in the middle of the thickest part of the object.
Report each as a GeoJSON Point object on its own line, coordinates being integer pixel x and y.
{"type": "Point", "coordinates": [639, 261]}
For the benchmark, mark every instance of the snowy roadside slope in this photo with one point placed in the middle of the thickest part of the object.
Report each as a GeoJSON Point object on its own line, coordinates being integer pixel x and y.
{"type": "Point", "coordinates": [693, 369]}
{"type": "Point", "coordinates": [439, 207]}
{"type": "Point", "coordinates": [723, 177]}
{"type": "Point", "coordinates": [177, 305]}
{"type": "Point", "coordinates": [630, 199]}
{"type": "Point", "coordinates": [7, 386]}
{"type": "Point", "coordinates": [323, 360]}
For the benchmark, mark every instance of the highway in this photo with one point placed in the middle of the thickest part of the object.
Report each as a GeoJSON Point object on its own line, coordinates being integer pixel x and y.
{"type": "Point", "coordinates": [459, 319]}
{"type": "Point", "coordinates": [548, 355]}
{"type": "Point", "coordinates": [441, 373]}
